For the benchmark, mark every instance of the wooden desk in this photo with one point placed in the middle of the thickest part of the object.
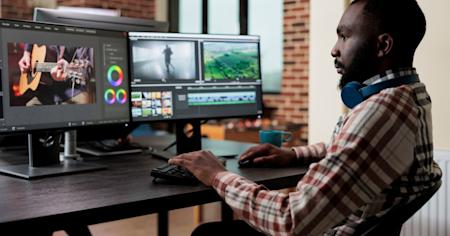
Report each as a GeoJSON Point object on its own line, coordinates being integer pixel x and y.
{"type": "Point", "coordinates": [125, 189]}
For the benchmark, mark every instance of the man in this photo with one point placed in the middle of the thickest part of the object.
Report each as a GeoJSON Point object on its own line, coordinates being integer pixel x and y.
{"type": "Point", "coordinates": [58, 86]}
{"type": "Point", "coordinates": [381, 151]}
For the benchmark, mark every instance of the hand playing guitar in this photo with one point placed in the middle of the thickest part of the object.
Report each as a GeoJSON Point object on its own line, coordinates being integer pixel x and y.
{"type": "Point", "coordinates": [33, 64]}
{"type": "Point", "coordinates": [25, 62]}
{"type": "Point", "coordinates": [58, 72]}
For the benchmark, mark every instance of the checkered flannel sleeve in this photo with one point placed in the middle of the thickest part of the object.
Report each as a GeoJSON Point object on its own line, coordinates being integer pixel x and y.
{"type": "Point", "coordinates": [310, 153]}
{"type": "Point", "coordinates": [374, 147]}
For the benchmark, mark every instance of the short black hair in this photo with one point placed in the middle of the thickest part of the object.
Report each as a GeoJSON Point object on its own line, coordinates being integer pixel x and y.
{"type": "Point", "coordinates": [403, 19]}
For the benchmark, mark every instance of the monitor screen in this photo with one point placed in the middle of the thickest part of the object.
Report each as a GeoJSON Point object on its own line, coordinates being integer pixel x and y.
{"type": "Point", "coordinates": [56, 76]}
{"type": "Point", "coordinates": [190, 76]}
{"type": "Point", "coordinates": [98, 21]}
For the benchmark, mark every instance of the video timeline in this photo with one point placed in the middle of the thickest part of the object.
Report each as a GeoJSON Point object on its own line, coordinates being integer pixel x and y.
{"type": "Point", "coordinates": [224, 98]}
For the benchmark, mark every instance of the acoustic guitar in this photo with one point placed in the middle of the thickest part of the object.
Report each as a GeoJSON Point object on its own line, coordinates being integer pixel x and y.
{"type": "Point", "coordinates": [75, 71]}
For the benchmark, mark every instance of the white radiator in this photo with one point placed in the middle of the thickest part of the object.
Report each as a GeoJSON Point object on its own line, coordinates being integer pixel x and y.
{"type": "Point", "coordinates": [433, 219]}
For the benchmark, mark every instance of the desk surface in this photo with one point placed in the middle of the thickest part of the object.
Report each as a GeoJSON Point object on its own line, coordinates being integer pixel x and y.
{"type": "Point", "coordinates": [124, 189]}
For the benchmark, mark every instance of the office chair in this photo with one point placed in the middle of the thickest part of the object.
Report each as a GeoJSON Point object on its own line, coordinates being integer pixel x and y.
{"type": "Point", "coordinates": [391, 223]}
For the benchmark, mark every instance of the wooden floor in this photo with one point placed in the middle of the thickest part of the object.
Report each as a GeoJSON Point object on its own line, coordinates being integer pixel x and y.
{"type": "Point", "coordinates": [181, 223]}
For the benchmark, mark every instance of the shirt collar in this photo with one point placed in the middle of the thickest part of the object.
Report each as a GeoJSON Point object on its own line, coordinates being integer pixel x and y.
{"type": "Point", "coordinates": [391, 74]}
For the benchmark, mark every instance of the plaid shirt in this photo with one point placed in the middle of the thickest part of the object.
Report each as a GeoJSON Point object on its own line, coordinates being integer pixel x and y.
{"type": "Point", "coordinates": [380, 155]}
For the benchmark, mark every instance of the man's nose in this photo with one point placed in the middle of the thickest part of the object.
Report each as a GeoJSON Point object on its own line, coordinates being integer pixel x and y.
{"type": "Point", "coordinates": [335, 51]}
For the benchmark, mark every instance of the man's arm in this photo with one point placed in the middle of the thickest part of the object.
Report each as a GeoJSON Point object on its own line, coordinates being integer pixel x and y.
{"type": "Point", "coordinates": [310, 153]}
{"type": "Point", "coordinates": [270, 155]}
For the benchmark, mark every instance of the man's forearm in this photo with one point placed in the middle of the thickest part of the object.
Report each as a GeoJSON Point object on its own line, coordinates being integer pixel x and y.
{"type": "Point", "coordinates": [310, 153]}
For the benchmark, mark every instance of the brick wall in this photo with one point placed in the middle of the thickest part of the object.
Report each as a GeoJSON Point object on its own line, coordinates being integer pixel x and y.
{"type": "Point", "coordinates": [131, 8]}
{"type": "Point", "coordinates": [23, 9]}
{"type": "Point", "coordinates": [16, 9]}
{"type": "Point", "coordinates": [291, 105]}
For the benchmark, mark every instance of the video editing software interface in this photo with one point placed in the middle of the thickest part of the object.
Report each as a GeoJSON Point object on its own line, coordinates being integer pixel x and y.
{"type": "Point", "coordinates": [56, 76]}
{"type": "Point", "coordinates": [185, 76]}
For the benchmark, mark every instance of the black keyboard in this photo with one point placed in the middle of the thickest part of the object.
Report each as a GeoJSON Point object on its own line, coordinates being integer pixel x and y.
{"type": "Point", "coordinates": [173, 173]}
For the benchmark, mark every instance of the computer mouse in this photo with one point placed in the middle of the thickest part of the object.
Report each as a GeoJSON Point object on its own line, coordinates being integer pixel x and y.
{"type": "Point", "coordinates": [245, 163]}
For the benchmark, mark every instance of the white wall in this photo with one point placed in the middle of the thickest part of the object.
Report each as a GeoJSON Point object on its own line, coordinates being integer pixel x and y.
{"type": "Point", "coordinates": [161, 10]}
{"type": "Point", "coordinates": [432, 62]}
{"type": "Point", "coordinates": [324, 99]}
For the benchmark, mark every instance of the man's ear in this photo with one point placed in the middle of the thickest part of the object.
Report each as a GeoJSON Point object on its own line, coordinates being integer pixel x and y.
{"type": "Point", "coordinates": [385, 44]}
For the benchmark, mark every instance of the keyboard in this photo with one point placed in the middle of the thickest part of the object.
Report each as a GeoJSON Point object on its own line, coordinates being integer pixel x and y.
{"type": "Point", "coordinates": [173, 173]}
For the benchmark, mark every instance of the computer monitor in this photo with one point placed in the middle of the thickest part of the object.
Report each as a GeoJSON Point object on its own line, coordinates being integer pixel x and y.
{"type": "Point", "coordinates": [190, 77]}
{"type": "Point", "coordinates": [57, 77]}
{"type": "Point", "coordinates": [98, 21]}
{"type": "Point", "coordinates": [102, 140]}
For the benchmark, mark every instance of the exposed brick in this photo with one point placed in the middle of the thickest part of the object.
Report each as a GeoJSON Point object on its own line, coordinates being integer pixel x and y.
{"type": "Point", "coordinates": [22, 9]}
{"type": "Point", "coordinates": [291, 105]}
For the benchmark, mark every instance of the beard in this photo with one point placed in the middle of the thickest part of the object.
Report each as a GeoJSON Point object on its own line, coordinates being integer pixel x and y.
{"type": "Point", "coordinates": [360, 68]}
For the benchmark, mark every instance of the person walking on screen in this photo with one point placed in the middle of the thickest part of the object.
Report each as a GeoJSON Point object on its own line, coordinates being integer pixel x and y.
{"type": "Point", "coordinates": [167, 59]}
{"type": "Point", "coordinates": [381, 152]}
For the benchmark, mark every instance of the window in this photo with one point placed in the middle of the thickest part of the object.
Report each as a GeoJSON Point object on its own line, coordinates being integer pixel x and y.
{"type": "Point", "coordinates": [190, 15]}
{"type": "Point", "coordinates": [223, 16]}
{"type": "Point", "coordinates": [264, 18]}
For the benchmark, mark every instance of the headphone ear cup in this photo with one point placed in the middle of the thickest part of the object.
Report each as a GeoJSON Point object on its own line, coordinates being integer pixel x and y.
{"type": "Point", "coordinates": [351, 95]}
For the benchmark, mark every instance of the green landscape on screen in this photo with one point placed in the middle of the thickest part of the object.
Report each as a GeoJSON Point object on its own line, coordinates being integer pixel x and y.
{"type": "Point", "coordinates": [230, 61]}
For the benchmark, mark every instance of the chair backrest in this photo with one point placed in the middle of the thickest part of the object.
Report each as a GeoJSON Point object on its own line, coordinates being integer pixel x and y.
{"type": "Point", "coordinates": [391, 223]}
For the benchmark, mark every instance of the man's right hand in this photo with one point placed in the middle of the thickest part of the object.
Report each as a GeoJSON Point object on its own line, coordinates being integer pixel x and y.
{"type": "Point", "coordinates": [269, 155]}
{"type": "Point", "coordinates": [25, 62]}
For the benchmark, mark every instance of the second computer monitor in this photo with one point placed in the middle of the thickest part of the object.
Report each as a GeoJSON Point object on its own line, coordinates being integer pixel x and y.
{"type": "Point", "coordinates": [194, 76]}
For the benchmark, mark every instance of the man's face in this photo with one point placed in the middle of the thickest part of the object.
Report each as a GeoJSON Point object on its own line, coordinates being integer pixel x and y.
{"type": "Point", "coordinates": [355, 50]}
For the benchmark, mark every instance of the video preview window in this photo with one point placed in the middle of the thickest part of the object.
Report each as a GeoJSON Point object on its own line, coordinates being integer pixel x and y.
{"type": "Point", "coordinates": [50, 74]}
{"type": "Point", "coordinates": [231, 61]}
{"type": "Point", "coordinates": [164, 61]}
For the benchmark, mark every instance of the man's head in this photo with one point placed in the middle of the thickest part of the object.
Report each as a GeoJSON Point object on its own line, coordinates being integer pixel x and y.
{"type": "Point", "coordinates": [377, 35]}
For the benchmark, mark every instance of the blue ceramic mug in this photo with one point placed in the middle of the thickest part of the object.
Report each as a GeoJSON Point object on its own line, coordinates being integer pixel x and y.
{"type": "Point", "coordinates": [274, 137]}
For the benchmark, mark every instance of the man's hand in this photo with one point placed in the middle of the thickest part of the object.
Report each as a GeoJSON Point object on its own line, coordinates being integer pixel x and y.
{"type": "Point", "coordinates": [202, 164]}
{"type": "Point", "coordinates": [25, 62]}
{"type": "Point", "coordinates": [269, 155]}
{"type": "Point", "coordinates": [58, 72]}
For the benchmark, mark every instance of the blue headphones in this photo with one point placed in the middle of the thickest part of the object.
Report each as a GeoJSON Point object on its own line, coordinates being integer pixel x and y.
{"type": "Point", "coordinates": [354, 93]}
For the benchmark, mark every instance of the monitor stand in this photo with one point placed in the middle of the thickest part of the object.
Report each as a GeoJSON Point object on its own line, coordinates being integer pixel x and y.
{"type": "Point", "coordinates": [108, 147]}
{"type": "Point", "coordinates": [70, 146]}
{"type": "Point", "coordinates": [43, 159]}
{"type": "Point", "coordinates": [188, 141]}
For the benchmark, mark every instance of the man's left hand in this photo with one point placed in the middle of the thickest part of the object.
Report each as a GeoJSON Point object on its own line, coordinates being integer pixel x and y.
{"type": "Point", "coordinates": [58, 72]}
{"type": "Point", "coordinates": [202, 164]}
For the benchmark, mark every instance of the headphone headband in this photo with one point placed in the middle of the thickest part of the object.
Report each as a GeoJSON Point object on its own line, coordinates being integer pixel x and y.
{"type": "Point", "coordinates": [354, 93]}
